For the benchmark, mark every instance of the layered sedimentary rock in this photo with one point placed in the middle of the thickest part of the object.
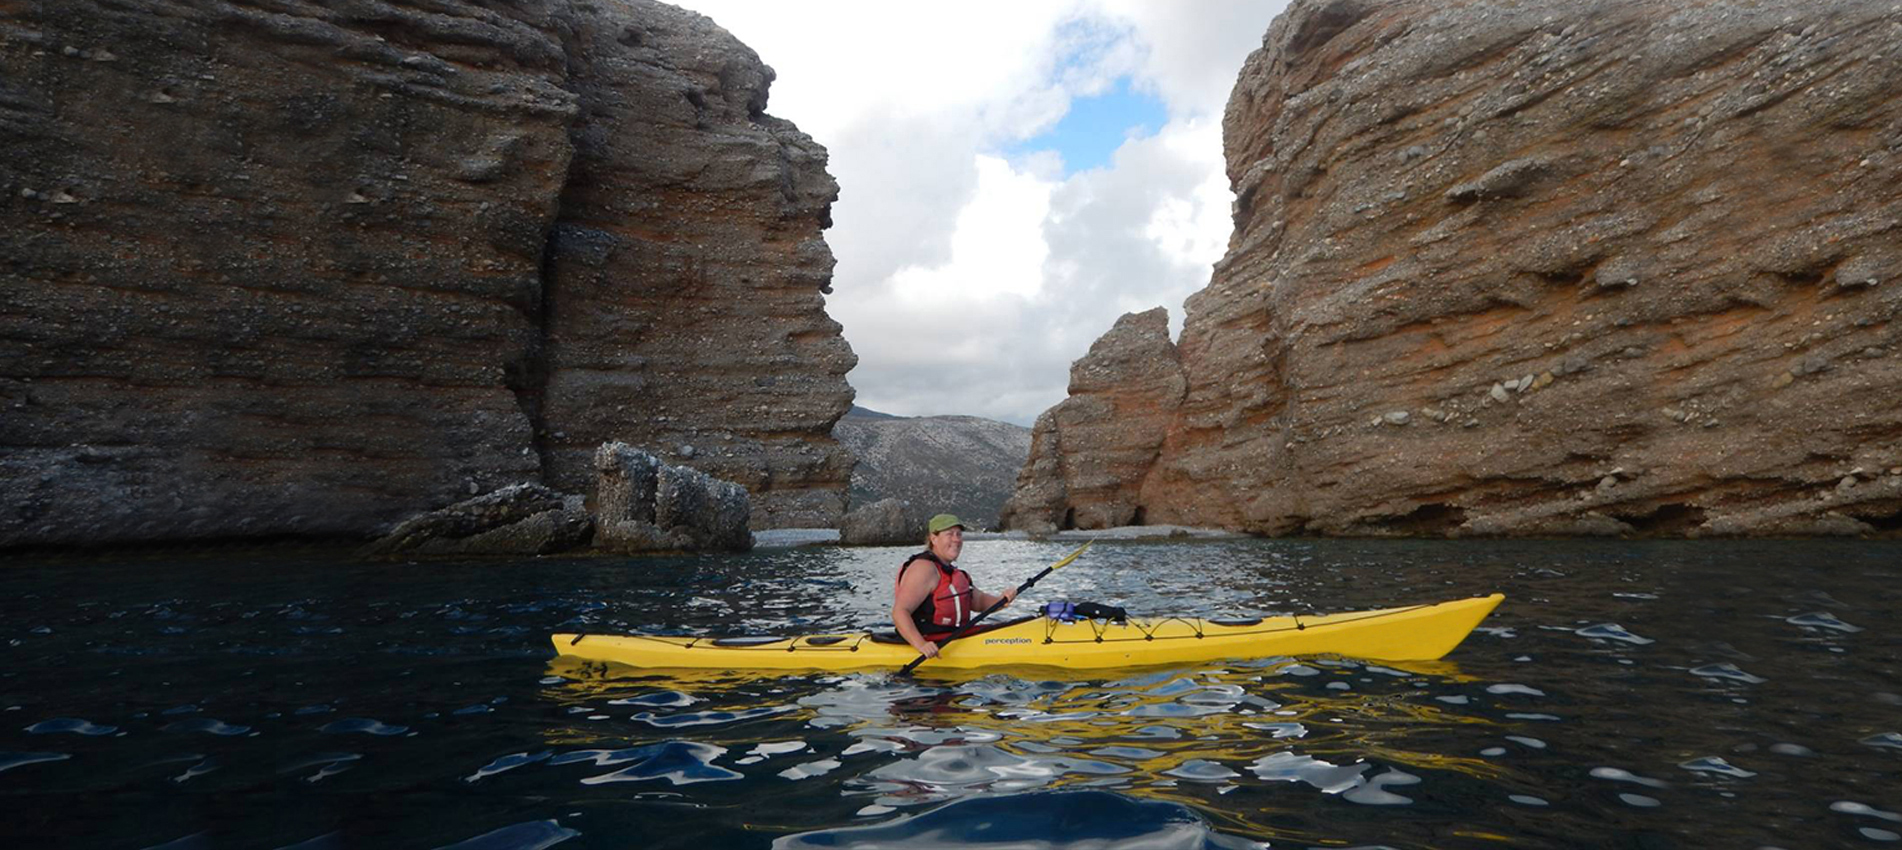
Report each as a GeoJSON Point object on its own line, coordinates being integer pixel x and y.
{"type": "Point", "coordinates": [1090, 454]}
{"type": "Point", "coordinates": [688, 274]}
{"type": "Point", "coordinates": [1551, 267]}
{"type": "Point", "coordinates": [294, 268]}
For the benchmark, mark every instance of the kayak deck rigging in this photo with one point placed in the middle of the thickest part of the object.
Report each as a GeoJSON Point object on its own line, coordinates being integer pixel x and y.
{"type": "Point", "coordinates": [1415, 632]}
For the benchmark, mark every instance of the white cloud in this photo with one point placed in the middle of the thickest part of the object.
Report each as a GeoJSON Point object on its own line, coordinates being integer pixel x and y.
{"type": "Point", "coordinates": [995, 247]}
{"type": "Point", "coordinates": [968, 280]}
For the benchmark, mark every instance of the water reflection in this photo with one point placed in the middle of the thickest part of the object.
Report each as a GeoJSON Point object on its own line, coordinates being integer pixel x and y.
{"type": "Point", "coordinates": [1046, 821]}
{"type": "Point", "coordinates": [279, 699]}
{"type": "Point", "coordinates": [1176, 735]}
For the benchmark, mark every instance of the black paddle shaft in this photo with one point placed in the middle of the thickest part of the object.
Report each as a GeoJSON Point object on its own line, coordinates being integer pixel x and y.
{"type": "Point", "coordinates": [974, 620]}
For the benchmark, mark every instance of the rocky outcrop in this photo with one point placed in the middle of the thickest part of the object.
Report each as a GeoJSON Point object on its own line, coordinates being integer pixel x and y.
{"type": "Point", "coordinates": [308, 269]}
{"type": "Point", "coordinates": [644, 505]}
{"type": "Point", "coordinates": [521, 519]}
{"type": "Point", "coordinates": [641, 505]}
{"type": "Point", "coordinates": [941, 464]}
{"type": "Point", "coordinates": [886, 522]}
{"type": "Point", "coordinates": [687, 274]}
{"type": "Point", "coordinates": [1124, 395]}
{"type": "Point", "coordinates": [1550, 267]}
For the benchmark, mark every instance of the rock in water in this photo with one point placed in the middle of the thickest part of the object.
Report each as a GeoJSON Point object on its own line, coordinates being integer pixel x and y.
{"type": "Point", "coordinates": [270, 271]}
{"type": "Point", "coordinates": [1657, 205]}
{"type": "Point", "coordinates": [523, 519]}
{"type": "Point", "coordinates": [644, 505]}
{"type": "Point", "coordinates": [886, 522]}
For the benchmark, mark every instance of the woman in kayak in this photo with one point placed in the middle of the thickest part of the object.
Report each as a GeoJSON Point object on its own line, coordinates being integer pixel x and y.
{"type": "Point", "coordinates": [932, 597]}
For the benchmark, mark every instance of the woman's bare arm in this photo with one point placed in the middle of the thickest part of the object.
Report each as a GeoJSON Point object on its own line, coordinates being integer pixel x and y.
{"type": "Point", "coordinates": [919, 580]}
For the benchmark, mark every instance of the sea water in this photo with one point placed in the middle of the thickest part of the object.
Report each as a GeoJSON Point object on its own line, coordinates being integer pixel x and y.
{"type": "Point", "coordinates": [1626, 694]}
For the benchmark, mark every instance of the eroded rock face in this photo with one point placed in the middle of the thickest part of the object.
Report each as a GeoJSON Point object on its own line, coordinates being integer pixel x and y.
{"type": "Point", "coordinates": [312, 269]}
{"type": "Point", "coordinates": [646, 505]}
{"type": "Point", "coordinates": [688, 274]}
{"type": "Point", "coordinates": [1090, 454]}
{"type": "Point", "coordinates": [1551, 267]}
{"type": "Point", "coordinates": [521, 519]}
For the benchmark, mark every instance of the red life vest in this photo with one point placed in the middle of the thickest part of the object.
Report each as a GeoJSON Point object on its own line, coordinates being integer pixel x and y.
{"type": "Point", "coordinates": [949, 605]}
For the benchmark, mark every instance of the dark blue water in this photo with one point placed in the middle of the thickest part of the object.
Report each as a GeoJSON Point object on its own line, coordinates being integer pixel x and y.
{"type": "Point", "coordinates": [1627, 694]}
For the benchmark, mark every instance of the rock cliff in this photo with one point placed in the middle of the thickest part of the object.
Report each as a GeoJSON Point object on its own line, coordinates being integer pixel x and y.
{"type": "Point", "coordinates": [1543, 267]}
{"type": "Point", "coordinates": [1090, 453]}
{"type": "Point", "coordinates": [307, 269]}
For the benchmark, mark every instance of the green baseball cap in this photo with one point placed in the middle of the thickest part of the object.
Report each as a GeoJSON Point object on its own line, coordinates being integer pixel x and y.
{"type": "Point", "coordinates": [943, 521]}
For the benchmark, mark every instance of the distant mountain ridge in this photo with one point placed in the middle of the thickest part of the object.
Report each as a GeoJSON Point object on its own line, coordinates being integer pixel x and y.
{"type": "Point", "coordinates": [964, 465]}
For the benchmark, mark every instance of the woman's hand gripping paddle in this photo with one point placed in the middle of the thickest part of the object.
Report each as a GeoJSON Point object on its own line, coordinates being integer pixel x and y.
{"type": "Point", "coordinates": [1000, 603]}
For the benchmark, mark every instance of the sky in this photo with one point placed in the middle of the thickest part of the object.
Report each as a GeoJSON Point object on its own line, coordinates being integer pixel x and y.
{"type": "Point", "coordinates": [1013, 177]}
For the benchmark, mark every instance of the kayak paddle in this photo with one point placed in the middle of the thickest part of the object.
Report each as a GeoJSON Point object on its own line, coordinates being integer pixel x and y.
{"type": "Point", "coordinates": [1000, 603]}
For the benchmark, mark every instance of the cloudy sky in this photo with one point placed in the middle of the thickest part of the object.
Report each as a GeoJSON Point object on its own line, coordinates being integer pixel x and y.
{"type": "Point", "coordinates": [1013, 176]}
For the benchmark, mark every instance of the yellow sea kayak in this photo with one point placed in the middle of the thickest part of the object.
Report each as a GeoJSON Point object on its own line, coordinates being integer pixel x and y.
{"type": "Point", "coordinates": [1412, 633]}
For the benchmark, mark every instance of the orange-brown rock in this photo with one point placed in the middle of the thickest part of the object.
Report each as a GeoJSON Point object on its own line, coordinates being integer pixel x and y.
{"type": "Point", "coordinates": [1090, 454]}
{"type": "Point", "coordinates": [687, 273]}
{"type": "Point", "coordinates": [308, 269]}
{"type": "Point", "coordinates": [1547, 267]}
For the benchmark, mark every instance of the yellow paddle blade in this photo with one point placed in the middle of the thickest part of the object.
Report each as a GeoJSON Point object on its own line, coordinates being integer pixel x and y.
{"type": "Point", "coordinates": [1073, 555]}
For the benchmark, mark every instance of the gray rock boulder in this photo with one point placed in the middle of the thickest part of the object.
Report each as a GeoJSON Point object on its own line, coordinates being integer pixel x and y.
{"type": "Point", "coordinates": [523, 519]}
{"type": "Point", "coordinates": [644, 505]}
{"type": "Point", "coordinates": [886, 522]}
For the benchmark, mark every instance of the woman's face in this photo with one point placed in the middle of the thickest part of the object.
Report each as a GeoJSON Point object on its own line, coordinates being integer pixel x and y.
{"type": "Point", "coordinates": [948, 544]}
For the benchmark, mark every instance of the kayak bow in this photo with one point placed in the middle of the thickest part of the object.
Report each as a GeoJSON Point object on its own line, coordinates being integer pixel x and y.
{"type": "Point", "coordinates": [1411, 633]}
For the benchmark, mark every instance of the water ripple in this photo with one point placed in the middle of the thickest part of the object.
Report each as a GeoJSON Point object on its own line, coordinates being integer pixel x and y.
{"type": "Point", "coordinates": [208, 726]}
{"type": "Point", "coordinates": [678, 762]}
{"type": "Point", "coordinates": [202, 767]}
{"type": "Point", "coordinates": [8, 761]}
{"type": "Point", "coordinates": [1821, 620]}
{"type": "Point", "coordinates": [1715, 764]}
{"type": "Point", "coordinates": [1287, 766]}
{"type": "Point", "coordinates": [327, 841]}
{"type": "Point", "coordinates": [1374, 792]}
{"type": "Point", "coordinates": [872, 745]}
{"type": "Point", "coordinates": [1727, 670]}
{"type": "Point", "coordinates": [72, 725]}
{"type": "Point", "coordinates": [1612, 631]}
{"type": "Point", "coordinates": [1051, 820]}
{"type": "Point", "coordinates": [363, 725]}
{"type": "Point", "coordinates": [1201, 770]}
{"type": "Point", "coordinates": [810, 769]}
{"type": "Point", "coordinates": [1892, 740]}
{"type": "Point", "coordinates": [327, 764]}
{"type": "Point", "coordinates": [708, 718]}
{"type": "Point", "coordinates": [1281, 730]}
{"type": "Point", "coordinates": [1616, 774]}
{"type": "Point", "coordinates": [769, 749]}
{"type": "Point", "coordinates": [533, 835]}
{"type": "Point", "coordinates": [982, 766]}
{"type": "Point", "coordinates": [659, 699]}
{"type": "Point", "coordinates": [1853, 808]}
{"type": "Point", "coordinates": [1509, 688]}
{"type": "Point", "coordinates": [508, 762]}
